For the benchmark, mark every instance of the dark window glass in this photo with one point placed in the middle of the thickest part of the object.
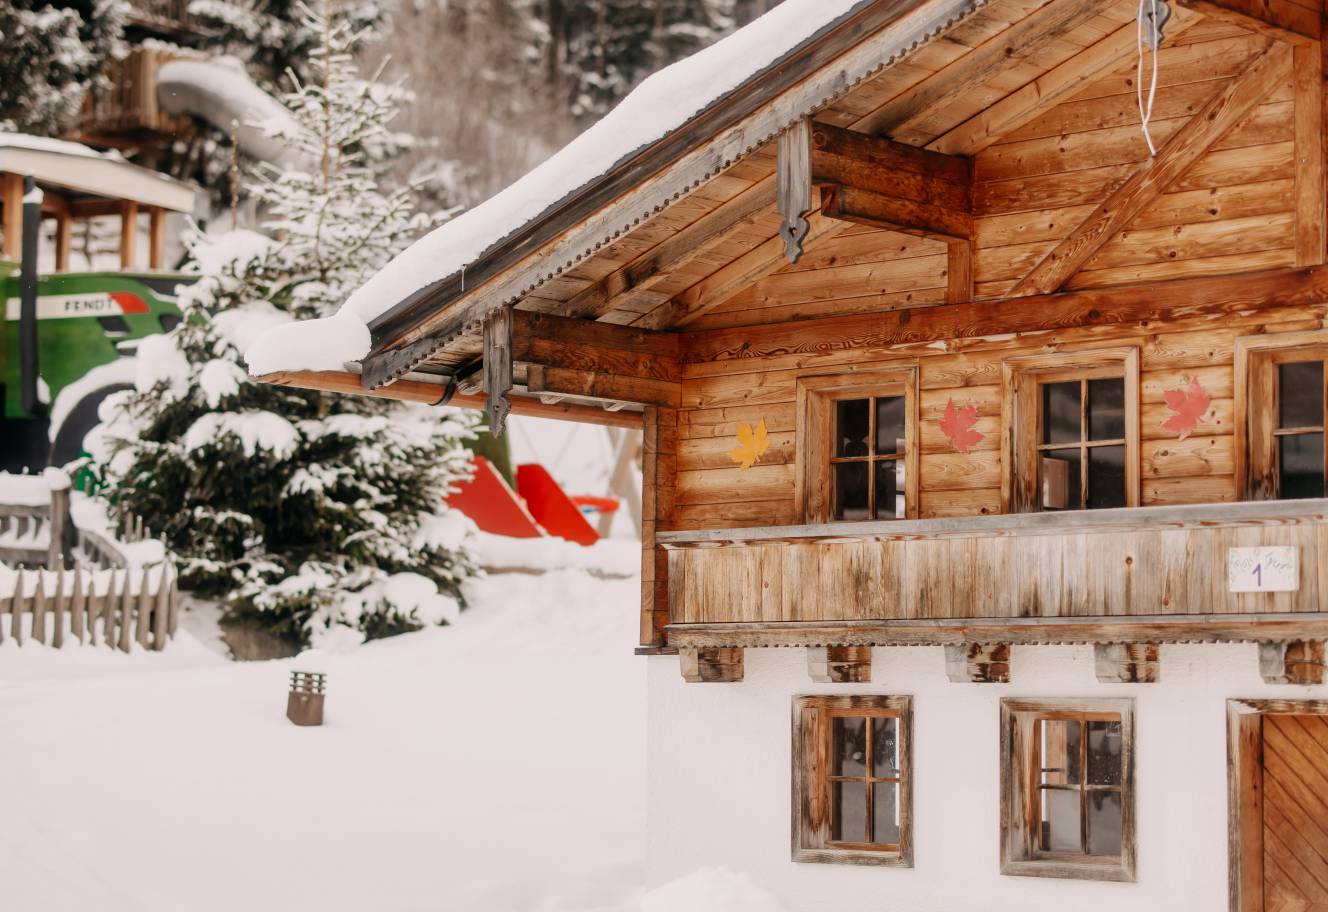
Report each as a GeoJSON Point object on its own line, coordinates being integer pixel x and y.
{"type": "Point", "coordinates": [114, 326]}
{"type": "Point", "coordinates": [1300, 394]}
{"type": "Point", "coordinates": [889, 489]}
{"type": "Point", "coordinates": [1060, 480]}
{"type": "Point", "coordinates": [885, 813]}
{"type": "Point", "coordinates": [848, 821]}
{"type": "Point", "coordinates": [851, 490]}
{"type": "Point", "coordinates": [1106, 477]}
{"type": "Point", "coordinates": [1300, 459]}
{"type": "Point", "coordinates": [848, 736]}
{"type": "Point", "coordinates": [1060, 412]}
{"type": "Point", "coordinates": [1106, 409]}
{"type": "Point", "coordinates": [853, 424]}
{"type": "Point", "coordinates": [885, 747]}
{"type": "Point", "coordinates": [890, 425]}
{"type": "Point", "coordinates": [1060, 820]}
{"type": "Point", "coordinates": [167, 322]}
{"type": "Point", "coordinates": [1104, 753]}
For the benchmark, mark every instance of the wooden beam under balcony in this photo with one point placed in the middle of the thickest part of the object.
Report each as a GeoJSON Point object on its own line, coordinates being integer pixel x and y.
{"type": "Point", "coordinates": [1283, 20]}
{"type": "Point", "coordinates": [875, 181]}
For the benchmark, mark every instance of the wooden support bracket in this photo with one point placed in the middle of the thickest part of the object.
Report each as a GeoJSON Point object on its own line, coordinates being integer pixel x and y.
{"type": "Point", "coordinates": [1127, 663]}
{"type": "Point", "coordinates": [498, 367]}
{"type": "Point", "coordinates": [1297, 662]}
{"type": "Point", "coordinates": [839, 664]}
{"type": "Point", "coordinates": [711, 665]}
{"type": "Point", "coordinates": [978, 663]}
{"type": "Point", "coordinates": [793, 188]}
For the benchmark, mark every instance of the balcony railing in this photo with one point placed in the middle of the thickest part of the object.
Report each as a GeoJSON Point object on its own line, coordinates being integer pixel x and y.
{"type": "Point", "coordinates": [1152, 574]}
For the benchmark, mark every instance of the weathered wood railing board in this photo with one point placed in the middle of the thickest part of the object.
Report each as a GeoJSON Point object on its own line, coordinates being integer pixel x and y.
{"type": "Point", "coordinates": [107, 607]}
{"type": "Point", "coordinates": [1168, 563]}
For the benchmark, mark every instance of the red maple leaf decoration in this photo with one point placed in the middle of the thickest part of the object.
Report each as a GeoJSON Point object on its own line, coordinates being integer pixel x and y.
{"type": "Point", "coordinates": [957, 426]}
{"type": "Point", "coordinates": [1189, 406]}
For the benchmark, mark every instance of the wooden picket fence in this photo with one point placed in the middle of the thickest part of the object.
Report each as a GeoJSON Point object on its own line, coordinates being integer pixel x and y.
{"type": "Point", "coordinates": [111, 607]}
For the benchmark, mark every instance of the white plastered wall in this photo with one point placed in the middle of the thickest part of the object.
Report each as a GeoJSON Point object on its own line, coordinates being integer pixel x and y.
{"type": "Point", "coordinates": [719, 787]}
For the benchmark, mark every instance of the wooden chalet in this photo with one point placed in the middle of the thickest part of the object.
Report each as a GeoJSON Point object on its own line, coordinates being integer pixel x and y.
{"type": "Point", "coordinates": [929, 350]}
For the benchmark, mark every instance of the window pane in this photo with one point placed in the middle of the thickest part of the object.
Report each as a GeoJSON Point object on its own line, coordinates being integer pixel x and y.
{"type": "Point", "coordinates": [885, 814]}
{"type": "Point", "coordinates": [848, 739]}
{"type": "Point", "coordinates": [1104, 823]}
{"type": "Point", "coordinates": [1106, 477]}
{"type": "Point", "coordinates": [1060, 412]}
{"type": "Point", "coordinates": [1104, 753]}
{"type": "Point", "coordinates": [885, 747]}
{"type": "Point", "coordinates": [1106, 409]}
{"type": "Point", "coordinates": [851, 490]}
{"type": "Point", "coordinates": [890, 425]}
{"type": "Point", "coordinates": [1300, 458]}
{"type": "Point", "coordinates": [852, 426]}
{"type": "Point", "coordinates": [890, 489]}
{"type": "Point", "coordinates": [1060, 480]}
{"type": "Point", "coordinates": [848, 819]}
{"type": "Point", "coordinates": [1300, 394]}
{"type": "Point", "coordinates": [1060, 820]}
{"type": "Point", "coordinates": [1060, 752]}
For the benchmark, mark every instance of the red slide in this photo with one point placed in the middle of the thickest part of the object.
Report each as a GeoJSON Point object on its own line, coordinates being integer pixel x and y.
{"type": "Point", "coordinates": [551, 506]}
{"type": "Point", "coordinates": [495, 508]}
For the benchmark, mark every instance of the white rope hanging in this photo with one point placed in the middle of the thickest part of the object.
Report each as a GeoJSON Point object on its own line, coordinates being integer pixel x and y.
{"type": "Point", "coordinates": [1152, 15]}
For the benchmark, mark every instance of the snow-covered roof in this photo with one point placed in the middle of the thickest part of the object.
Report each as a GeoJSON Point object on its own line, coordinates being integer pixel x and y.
{"type": "Point", "coordinates": [71, 165]}
{"type": "Point", "coordinates": [662, 105]}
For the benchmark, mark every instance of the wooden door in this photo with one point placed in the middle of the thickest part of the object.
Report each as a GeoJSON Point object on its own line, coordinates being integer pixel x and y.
{"type": "Point", "coordinates": [1295, 813]}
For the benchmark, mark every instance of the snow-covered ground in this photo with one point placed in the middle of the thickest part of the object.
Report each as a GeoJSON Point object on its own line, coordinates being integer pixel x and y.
{"type": "Point", "coordinates": [494, 765]}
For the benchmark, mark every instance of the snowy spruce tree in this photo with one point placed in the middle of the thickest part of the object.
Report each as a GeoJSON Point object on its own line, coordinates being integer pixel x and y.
{"type": "Point", "coordinates": [320, 513]}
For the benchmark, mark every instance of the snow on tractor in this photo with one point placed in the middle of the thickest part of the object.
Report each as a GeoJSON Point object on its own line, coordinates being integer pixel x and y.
{"type": "Point", "coordinates": [69, 337]}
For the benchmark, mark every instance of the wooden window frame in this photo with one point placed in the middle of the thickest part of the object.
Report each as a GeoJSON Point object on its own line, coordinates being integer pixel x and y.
{"type": "Point", "coordinates": [815, 435]}
{"type": "Point", "coordinates": [1020, 791]}
{"type": "Point", "coordinates": [811, 780]}
{"type": "Point", "coordinates": [1021, 417]}
{"type": "Point", "coordinates": [1257, 357]}
{"type": "Point", "coordinates": [1245, 850]}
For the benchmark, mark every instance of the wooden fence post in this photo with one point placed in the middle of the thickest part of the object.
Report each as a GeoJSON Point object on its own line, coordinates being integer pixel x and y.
{"type": "Point", "coordinates": [78, 603]}
{"type": "Point", "coordinates": [126, 611]}
{"type": "Point", "coordinates": [144, 609]}
{"type": "Point", "coordinates": [61, 528]}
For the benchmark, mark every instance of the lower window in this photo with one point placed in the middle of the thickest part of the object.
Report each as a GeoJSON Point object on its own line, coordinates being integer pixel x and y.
{"type": "Point", "coordinates": [1067, 788]}
{"type": "Point", "coordinates": [852, 780]}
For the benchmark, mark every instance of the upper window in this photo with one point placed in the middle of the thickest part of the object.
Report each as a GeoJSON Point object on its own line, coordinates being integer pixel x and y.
{"type": "Point", "coordinates": [851, 780]}
{"type": "Point", "coordinates": [856, 446]}
{"type": "Point", "coordinates": [1074, 428]}
{"type": "Point", "coordinates": [1281, 414]}
{"type": "Point", "coordinates": [1067, 788]}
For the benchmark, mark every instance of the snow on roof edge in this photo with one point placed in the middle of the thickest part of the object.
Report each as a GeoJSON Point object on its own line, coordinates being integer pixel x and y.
{"type": "Point", "coordinates": [331, 343]}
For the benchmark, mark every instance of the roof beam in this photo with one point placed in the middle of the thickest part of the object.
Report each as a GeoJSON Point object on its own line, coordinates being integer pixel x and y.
{"type": "Point", "coordinates": [1051, 88]}
{"type": "Point", "coordinates": [434, 393]}
{"type": "Point", "coordinates": [1281, 20]}
{"type": "Point", "coordinates": [886, 184]}
{"type": "Point", "coordinates": [1182, 150]}
{"type": "Point", "coordinates": [587, 345]}
{"type": "Point", "coordinates": [1022, 40]}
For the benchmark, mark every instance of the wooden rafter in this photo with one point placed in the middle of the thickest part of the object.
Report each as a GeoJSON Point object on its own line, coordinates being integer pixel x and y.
{"type": "Point", "coordinates": [1282, 20]}
{"type": "Point", "coordinates": [1311, 222]}
{"type": "Point", "coordinates": [1050, 89]}
{"type": "Point", "coordinates": [1182, 150]}
{"type": "Point", "coordinates": [1021, 41]}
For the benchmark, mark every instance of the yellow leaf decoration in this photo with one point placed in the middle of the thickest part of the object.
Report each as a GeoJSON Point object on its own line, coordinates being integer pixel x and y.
{"type": "Point", "coordinates": [751, 444]}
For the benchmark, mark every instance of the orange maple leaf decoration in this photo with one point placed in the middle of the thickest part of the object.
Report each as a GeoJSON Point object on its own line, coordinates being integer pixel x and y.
{"type": "Point", "coordinates": [957, 426]}
{"type": "Point", "coordinates": [1189, 406]}
{"type": "Point", "coordinates": [752, 444]}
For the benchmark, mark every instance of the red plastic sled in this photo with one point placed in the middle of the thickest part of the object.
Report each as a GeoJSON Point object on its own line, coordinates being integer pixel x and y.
{"type": "Point", "coordinates": [494, 507]}
{"type": "Point", "coordinates": [551, 506]}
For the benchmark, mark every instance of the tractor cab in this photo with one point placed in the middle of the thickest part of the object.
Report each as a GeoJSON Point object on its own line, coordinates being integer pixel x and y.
{"type": "Point", "coordinates": [88, 236]}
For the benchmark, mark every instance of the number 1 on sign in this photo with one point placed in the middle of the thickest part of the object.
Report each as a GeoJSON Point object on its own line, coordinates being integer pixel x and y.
{"type": "Point", "coordinates": [1258, 575]}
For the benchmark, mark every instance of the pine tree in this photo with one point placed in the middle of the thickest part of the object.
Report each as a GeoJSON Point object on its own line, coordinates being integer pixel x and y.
{"type": "Point", "coordinates": [53, 51]}
{"type": "Point", "coordinates": [319, 512]}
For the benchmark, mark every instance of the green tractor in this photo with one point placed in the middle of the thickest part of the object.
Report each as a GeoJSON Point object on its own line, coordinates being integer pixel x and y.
{"type": "Point", "coordinates": [69, 337]}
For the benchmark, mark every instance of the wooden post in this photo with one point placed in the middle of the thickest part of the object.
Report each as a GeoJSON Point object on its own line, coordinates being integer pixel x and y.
{"type": "Point", "coordinates": [839, 664]}
{"type": "Point", "coordinates": [793, 188]}
{"type": "Point", "coordinates": [39, 609]}
{"type": "Point", "coordinates": [144, 609]}
{"type": "Point", "coordinates": [60, 529]}
{"type": "Point", "coordinates": [63, 240]}
{"type": "Point", "coordinates": [711, 665]}
{"type": "Point", "coordinates": [128, 234]}
{"type": "Point", "coordinates": [498, 367]}
{"type": "Point", "coordinates": [78, 605]}
{"type": "Point", "coordinates": [1297, 662]}
{"type": "Point", "coordinates": [123, 625]}
{"type": "Point", "coordinates": [978, 663]}
{"type": "Point", "coordinates": [58, 615]}
{"type": "Point", "coordinates": [156, 238]}
{"type": "Point", "coordinates": [175, 604]}
{"type": "Point", "coordinates": [11, 188]}
{"type": "Point", "coordinates": [16, 610]}
{"type": "Point", "coordinates": [1127, 663]}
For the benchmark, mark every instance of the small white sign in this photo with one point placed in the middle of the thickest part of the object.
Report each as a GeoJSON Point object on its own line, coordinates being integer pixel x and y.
{"type": "Point", "coordinates": [1269, 569]}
